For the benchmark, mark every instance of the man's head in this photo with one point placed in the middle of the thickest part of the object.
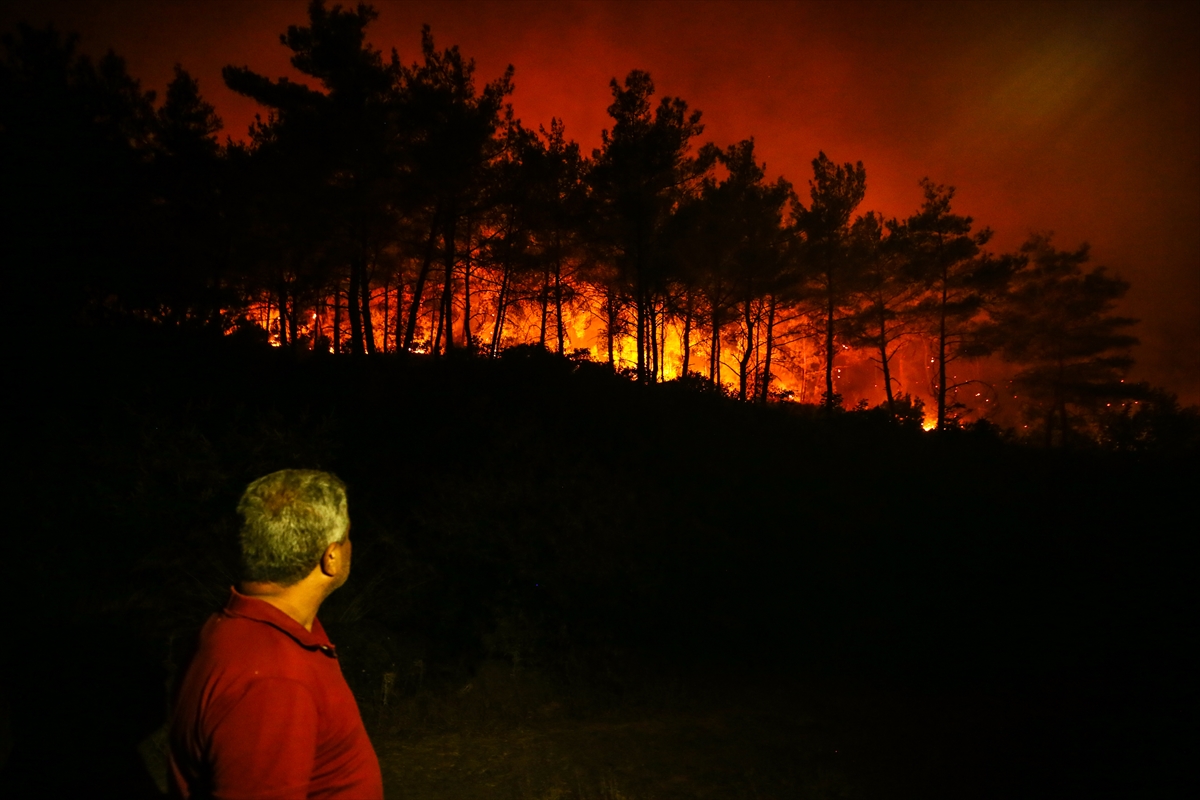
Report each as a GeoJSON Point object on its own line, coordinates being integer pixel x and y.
{"type": "Point", "coordinates": [289, 519]}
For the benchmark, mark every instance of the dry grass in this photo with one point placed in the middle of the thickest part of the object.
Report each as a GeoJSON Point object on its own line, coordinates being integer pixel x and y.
{"type": "Point", "coordinates": [513, 735]}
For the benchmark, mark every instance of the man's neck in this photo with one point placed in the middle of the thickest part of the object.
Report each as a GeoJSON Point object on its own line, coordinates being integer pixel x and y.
{"type": "Point", "coordinates": [300, 601]}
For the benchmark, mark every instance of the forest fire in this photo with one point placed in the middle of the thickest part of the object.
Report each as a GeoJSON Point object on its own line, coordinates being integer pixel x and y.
{"type": "Point", "coordinates": [394, 207]}
{"type": "Point", "coordinates": [797, 369]}
{"type": "Point", "coordinates": [656, 255]}
{"type": "Point", "coordinates": [660, 464]}
{"type": "Point", "coordinates": [795, 376]}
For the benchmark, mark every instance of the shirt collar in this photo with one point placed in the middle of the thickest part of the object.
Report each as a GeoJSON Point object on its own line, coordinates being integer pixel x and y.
{"type": "Point", "coordinates": [247, 607]}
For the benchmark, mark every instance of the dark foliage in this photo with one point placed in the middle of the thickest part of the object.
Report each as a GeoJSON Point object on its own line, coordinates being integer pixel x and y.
{"type": "Point", "coordinates": [554, 515]}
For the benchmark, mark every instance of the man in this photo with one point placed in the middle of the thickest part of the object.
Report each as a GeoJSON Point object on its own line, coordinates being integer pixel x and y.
{"type": "Point", "coordinates": [263, 711]}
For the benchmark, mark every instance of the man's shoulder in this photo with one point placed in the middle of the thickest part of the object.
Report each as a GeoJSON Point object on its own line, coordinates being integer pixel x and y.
{"type": "Point", "coordinates": [239, 642]}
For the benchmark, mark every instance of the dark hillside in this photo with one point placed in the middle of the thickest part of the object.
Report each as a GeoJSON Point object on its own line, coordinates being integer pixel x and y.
{"type": "Point", "coordinates": [607, 536]}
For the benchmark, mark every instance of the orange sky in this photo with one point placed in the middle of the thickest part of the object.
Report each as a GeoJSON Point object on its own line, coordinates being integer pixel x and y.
{"type": "Point", "coordinates": [1081, 118]}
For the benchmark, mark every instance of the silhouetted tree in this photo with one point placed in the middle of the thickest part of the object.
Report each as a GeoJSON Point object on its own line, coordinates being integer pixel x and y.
{"type": "Point", "coordinates": [1057, 322]}
{"type": "Point", "coordinates": [824, 229]}
{"type": "Point", "coordinates": [510, 247]}
{"type": "Point", "coordinates": [189, 227]}
{"type": "Point", "coordinates": [694, 244]}
{"type": "Point", "coordinates": [455, 136]}
{"type": "Point", "coordinates": [701, 246]}
{"type": "Point", "coordinates": [76, 142]}
{"type": "Point", "coordinates": [958, 279]}
{"type": "Point", "coordinates": [1149, 420]}
{"type": "Point", "coordinates": [557, 206]}
{"type": "Point", "coordinates": [337, 145]}
{"type": "Point", "coordinates": [888, 294]}
{"type": "Point", "coordinates": [751, 254]}
{"type": "Point", "coordinates": [535, 235]}
{"type": "Point", "coordinates": [639, 173]}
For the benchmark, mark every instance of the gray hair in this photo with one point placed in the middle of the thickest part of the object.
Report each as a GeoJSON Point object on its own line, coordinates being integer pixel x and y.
{"type": "Point", "coordinates": [288, 519]}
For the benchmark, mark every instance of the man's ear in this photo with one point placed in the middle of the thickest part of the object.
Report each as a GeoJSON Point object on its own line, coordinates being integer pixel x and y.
{"type": "Point", "coordinates": [331, 560]}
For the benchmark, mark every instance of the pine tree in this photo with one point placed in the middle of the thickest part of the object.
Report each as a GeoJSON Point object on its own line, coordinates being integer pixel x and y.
{"type": "Point", "coordinates": [824, 230]}
{"type": "Point", "coordinates": [959, 280]}
{"type": "Point", "coordinates": [888, 294]}
{"type": "Point", "coordinates": [1057, 321]}
{"type": "Point", "coordinates": [76, 140]}
{"type": "Point", "coordinates": [756, 265]}
{"type": "Point", "coordinates": [640, 173]}
{"type": "Point", "coordinates": [189, 227]}
{"type": "Point", "coordinates": [455, 136]}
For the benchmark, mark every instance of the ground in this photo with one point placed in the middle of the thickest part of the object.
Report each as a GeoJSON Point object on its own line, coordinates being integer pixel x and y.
{"type": "Point", "coordinates": [804, 738]}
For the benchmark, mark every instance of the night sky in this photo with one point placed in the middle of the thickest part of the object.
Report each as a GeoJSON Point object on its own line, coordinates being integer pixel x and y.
{"type": "Point", "coordinates": [1080, 118]}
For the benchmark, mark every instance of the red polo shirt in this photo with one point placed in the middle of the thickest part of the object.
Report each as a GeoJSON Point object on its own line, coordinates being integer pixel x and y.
{"type": "Point", "coordinates": [263, 713]}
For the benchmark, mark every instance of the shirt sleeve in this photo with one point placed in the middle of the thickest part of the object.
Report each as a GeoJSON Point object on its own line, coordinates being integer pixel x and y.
{"type": "Point", "coordinates": [263, 748]}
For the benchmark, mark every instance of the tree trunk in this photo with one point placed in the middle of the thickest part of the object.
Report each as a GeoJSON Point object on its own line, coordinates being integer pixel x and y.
{"type": "Point", "coordinates": [941, 398]}
{"type": "Point", "coordinates": [765, 383]}
{"type": "Point", "coordinates": [441, 322]}
{"type": "Point", "coordinates": [558, 303]}
{"type": "Point", "coordinates": [292, 332]}
{"type": "Point", "coordinates": [885, 360]}
{"type": "Point", "coordinates": [501, 310]}
{"type": "Point", "coordinates": [714, 349]}
{"type": "Point", "coordinates": [337, 319]}
{"type": "Point", "coordinates": [640, 307]}
{"type": "Point", "coordinates": [354, 307]}
{"type": "Point", "coordinates": [640, 298]}
{"type": "Point", "coordinates": [418, 290]}
{"type": "Point", "coordinates": [887, 382]}
{"type": "Point", "coordinates": [611, 303]}
{"type": "Point", "coordinates": [747, 352]}
{"type": "Point", "coordinates": [387, 299]}
{"type": "Point", "coordinates": [398, 331]}
{"type": "Point", "coordinates": [663, 346]}
{"type": "Point", "coordinates": [687, 336]}
{"type": "Point", "coordinates": [283, 334]}
{"type": "Point", "coordinates": [829, 351]}
{"type": "Point", "coordinates": [654, 365]}
{"type": "Point", "coordinates": [805, 363]}
{"type": "Point", "coordinates": [448, 236]}
{"type": "Point", "coordinates": [319, 322]}
{"type": "Point", "coordinates": [468, 341]}
{"type": "Point", "coordinates": [368, 323]}
{"type": "Point", "coordinates": [544, 299]}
